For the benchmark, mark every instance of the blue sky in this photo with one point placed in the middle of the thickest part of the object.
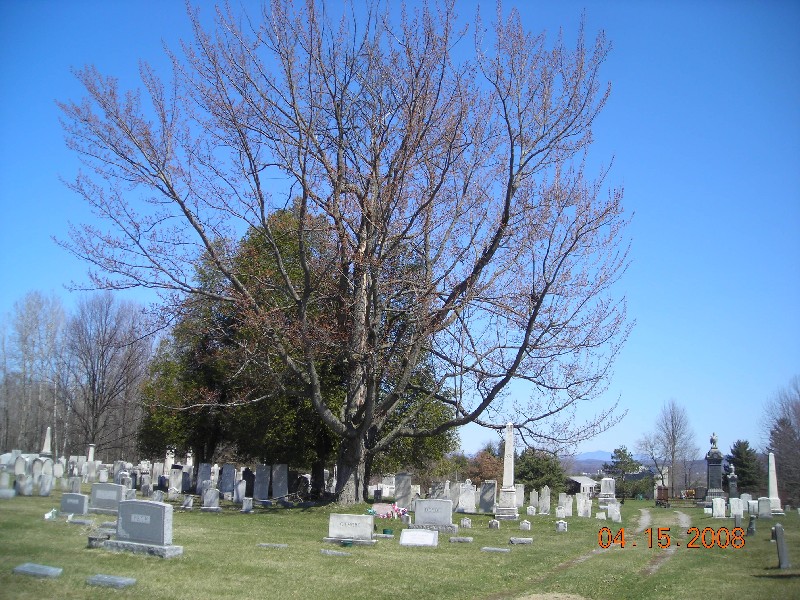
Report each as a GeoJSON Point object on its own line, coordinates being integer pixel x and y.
{"type": "Point", "coordinates": [703, 125]}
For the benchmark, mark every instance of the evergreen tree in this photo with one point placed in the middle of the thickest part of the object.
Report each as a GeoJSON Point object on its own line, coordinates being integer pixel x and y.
{"type": "Point", "coordinates": [536, 468]}
{"type": "Point", "coordinates": [622, 462]}
{"type": "Point", "coordinates": [749, 470]}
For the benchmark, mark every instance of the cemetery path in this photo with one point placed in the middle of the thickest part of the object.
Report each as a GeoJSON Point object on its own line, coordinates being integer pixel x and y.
{"type": "Point", "coordinates": [683, 521]}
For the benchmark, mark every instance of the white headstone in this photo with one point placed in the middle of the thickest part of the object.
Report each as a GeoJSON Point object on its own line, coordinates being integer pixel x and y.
{"type": "Point", "coordinates": [350, 527]}
{"type": "Point", "coordinates": [718, 508]}
{"type": "Point", "coordinates": [419, 537]}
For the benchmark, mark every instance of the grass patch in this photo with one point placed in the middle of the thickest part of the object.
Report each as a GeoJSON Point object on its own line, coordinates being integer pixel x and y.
{"type": "Point", "coordinates": [222, 560]}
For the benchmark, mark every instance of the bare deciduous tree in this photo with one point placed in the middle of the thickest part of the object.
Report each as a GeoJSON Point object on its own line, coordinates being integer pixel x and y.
{"type": "Point", "coordinates": [108, 363]}
{"type": "Point", "coordinates": [782, 426]}
{"type": "Point", "coordinates": [671, 444]}
{"type": "Point", "coordinates": [461, 232]}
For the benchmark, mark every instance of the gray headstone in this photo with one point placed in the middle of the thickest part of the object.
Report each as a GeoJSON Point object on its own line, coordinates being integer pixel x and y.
{"type": "Point", "coordinates": [37, 570]}
{"type": "Point", "coordinates": [499, 550]}
{"type": "Point", "coordinates": [525, 525]}
{"type": "Point", "coordinates": [544, 501]}
{"type": "Point", "coordinates": [466, 523]}
{"type": "Point", "coordinates": [203, 474]}
{"type": "Point", "coordinates": [561, 526]}
{"type": "Point", "coordinates": [111, 581]}
{"type": "Point", "coordinates": [783, 551]}
{"type": "Point", "coordinates": [494, 524]}
{"type": "Point", "coordinates": [45, 484]}
{"type": "Point", "coordinates": [433, 512]}
{"type": "Point", "coordinates": [239, 491]}
{"type": "Point", "coordinates": [751, 526]}
{"type": "Point", "coordinates": [145, 522]}
{"type": "Point", "coordinates": [106, 496]}
{"type": "Point", "coordinates": [764, 508]}
{"type": "Point", "coordinates": [158, 496]}
{"type": "Point", "coordinates": [226, 480]}
{"type": "Point", "coordinates": [350, 527]}
{"type": "Point", "coordinates": [211, 498]}
{"type": "Point", "coordinates": [521, 541]}
{"type": "Point", "coordinates": [280, 481]}
{"type": "Point", "coordinates": [488, 496]}
{"type": "Point", "coordinates": [77, 504]}
{"type": "Point", "coordinates": [261, 486]}
{"type": "Point", "coordinates": [247, 505]}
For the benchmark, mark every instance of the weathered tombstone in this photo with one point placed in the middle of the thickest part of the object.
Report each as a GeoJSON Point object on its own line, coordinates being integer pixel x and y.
{"type": "Point", "coordinates": [764, 508]}
{"type": "Point", "coordinates": [737, 507]}
{"type": "Point", "coordinates": [531, 510]}
{"type": "Point", "coordinates": [145, 526]}
{"type": "Point", "coordinates": [488, 499]}
{"type": "Point", "coordinates": [561, 526]}
{"type": "Point", "coordinates": [520, 487]}
{"type": "Point", "coordinates": [172, 494]}
{"type": "Point", "coordinates": [751, 526]}
{"type": "Point", "coordinates": [419, 537]}
{"type": "Point", "coordinates": [402, 490]}
{"type": "Point", "coordinates": [188, 502]}
{"type": "Point", "coordinates": [261, 483]}
{"type": "Point", "coordinates": [534, 499]}
{"type": "Point", "coordinates": [158, 496]}
{"type": "Point", "coordinates": [544, 501]}
{"type": "Point", "coordinates": [211, 500]}
{"type": "Point", "coordinates": [607, 490]}
{"type": "Point", "coordinates": [280, 481]}
{"type": "Point", "coordinates": [584, 505]}
{"type": "Point", "coordinates": [105, 498]}
{"type": "Point", "coordinates": [357, 528]}
{"type": "Point", "coordinates": [147, 489]}
{"type": "Point", "coordinates": [75, 485]}
{"type": "Point", "coordinates": [111, 581]}
{"type": "Point", "coordinates": [466, 523]}
{"type": "Point", "coordinates": [718, 508]}
{"type": "Point", "coordinates": [494, 524]}
{"type": "Point", "coordinates": [25, 485]}
{"type": "Point", "coordinates": [176, 478]}
{"type": "Point", "coordinates": [707, 510]}
{"type": "Point", "coordinates": [58, 470]}
{"type": "Point", "coordinates": [37, 570]}
{"type": "Point", "coordinates": [525, 525]}
{"type": "Point", "coordinates": [614, 513]}
{"type": "Point", "coordinates": [6, 491]}
{"type": "Point", "coordinates": [568, 506]}
{"type": "Point", "coordinates": [77, 504]}
{"type": "Point", "coordinates": [130, 494]}
{"type": "Point", "coordinates": [600, 515]}
{"type": "Point", "coordinates": [250, 480]}
{"type": "Point", "coordinates": [466, 497]}
{"type": "Point", "coordinates": [203, 473]}
{"type": "Point", "coordinates": [733, 486]}
{"type": "Point", "coordinates": [562, 499]}
{"type": "Point", "coordinates": [377, 495]}
{"type": "Point", "coordinates": [20, 465]}
{"type": "Point", "coordinates": [434, 514]}
{"type": "Point", "coordinates": [783, 551]}
{"type": "Point", "coordinates": [102, 475]}
{"type": "Point", "coordinates": [247, 505]}
{"type": "Point", "coordinates": [45, 484]}
{"type": "Point", "coordinates": [560, 512]}
{"type": "Point", "coordinates": [239, 491]}
{"type": "Point", "coordinates": [737, 521]}
{"type": "Point", "coordinates": [226, 480]}
{"type": "Point", "coordinates": [186, 482]}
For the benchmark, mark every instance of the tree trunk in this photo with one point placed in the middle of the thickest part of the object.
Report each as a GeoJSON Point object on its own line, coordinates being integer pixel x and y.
{"type": "Point", "coordinates": [350, 471]}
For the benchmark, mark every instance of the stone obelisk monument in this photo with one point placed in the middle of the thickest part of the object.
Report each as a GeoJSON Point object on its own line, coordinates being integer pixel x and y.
{"type": "Point", "coordinates": [772, 485]}
{"type": "Point", "coordinates": [507, 504]}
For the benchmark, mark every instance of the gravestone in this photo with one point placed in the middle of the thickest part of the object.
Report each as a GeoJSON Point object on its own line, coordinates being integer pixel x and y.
{"type": "Point", "coordinates": [130, 494]}
{"type": "Point", "coordinates": [466, 497]}
{"type": "Point", "coordinates": [562, 499]}
{"type": "Point", "coordinates": [357, 528]}
{"type": "Point", "coordinates": [226, 480]}
{"type": "Point", "coordinates": [111, 581]}
{"type": "Point", "coordinates": [531, 510]}
{"type": "Point", "coordinates": [45, 484]}
{"type": "Point", "coordinates": [568, 506]}
{"type": "Point", "coordinates": [534, 499]}
{"type": "Point", "coordinates": [718, 508]}
{"type": "Point", "coordinates": [561, 526]}
{"type": "Point", "coordinates": [520, 487]}
{"type": "Point", "coordinates": [250, 480]}
{"type": "Point", "coordinates": [211, 501]}
{"type": "Point", "coordinates": [714, 471]}
{"type": "Point", "coordinates": [783, 551]}
{"type": "Point", "coordinates": [102, 475]}
{"type": "Point", "coordinates": [77, 504]}
{"type": "Point", "coordinates": [494, 524]}
{"type": "Point", "coordinates": [614, 513]}
{"type": "Point", "coordinates": [188, 502]}
{"type": "Point", "coordinates": [600, 515]}
{"type": "Point", "coordinates": [157, 496]}
{"type": "Point", "coordinates": [466, 523]}
{"type": "Point", "coordinates": [239, 491]}
{"type": "Point", "coordinates": [775, 501]}
{"type": "Point", "coordinates": [607, 491]}
{"type": "Point", "coordinates": [176, 478]}
{"type": "Point", "coordinates": [584, 505]}
{"type": "Point", "coordinates": [145, 527]}
{"type": "Point", "coordinates": [280, 481]}
{"type": "Point", "coordinates": [733, 486]}
{"type": "Point", "coordinates": [37, 570]}
{"type": "Point", "coordinates": [506, 508]}
{"type": "Point", "coordinates": [419, 537]}
{"type": "Point", "coordinates": [544, 501]}
{"type": "Point", "coordinates": [751, 526]}
{"type": "Point", "coordinates": [737, 507]}
{"type": "Point", "coordinates": [434, 514]}
{"type": "Point", "coordinates": [764, 508]}
{"type": "Point", "coordinates": [261, 484]}
{"type": "Point", "coordinates": [105, 498]}
{"type": "Point", "coordinates": [402, 490]}
{"type": "Point", "coordinates": [203, 474]}
{"type": "Point", "coordinates": [525, 525]}
{"type": "Point", "coordinates": [247, 505]}
{"type": "Point", "coordinates": [560, 512]}
{"type": "Point", "coordinates": [186, 482]}
{"type": "Point", "coordinates": [745, 498]}
{"type": "Point", "coordinates": [25, 485]}
{"type": "Point", "coordinates": [488, 499]}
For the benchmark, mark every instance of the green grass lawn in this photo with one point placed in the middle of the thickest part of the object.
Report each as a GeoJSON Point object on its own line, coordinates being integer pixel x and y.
{"type": "Point", "coordinates": [222, 560]}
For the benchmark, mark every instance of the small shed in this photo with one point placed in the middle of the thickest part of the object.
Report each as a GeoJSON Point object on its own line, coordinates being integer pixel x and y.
{"type": "Point", "coordinates": [581, 484]}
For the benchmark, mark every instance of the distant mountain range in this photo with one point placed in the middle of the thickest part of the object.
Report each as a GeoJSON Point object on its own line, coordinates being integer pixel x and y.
{"type": "Point", "coordinates": [596, 455]}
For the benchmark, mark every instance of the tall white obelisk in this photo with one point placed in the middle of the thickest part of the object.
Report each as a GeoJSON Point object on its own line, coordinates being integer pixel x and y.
{"type": "Point", "coordinates": [507, 504]}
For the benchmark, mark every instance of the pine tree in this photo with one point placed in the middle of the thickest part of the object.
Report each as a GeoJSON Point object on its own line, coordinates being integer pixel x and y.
{"type": "Point", "coordinates": [748, 467]}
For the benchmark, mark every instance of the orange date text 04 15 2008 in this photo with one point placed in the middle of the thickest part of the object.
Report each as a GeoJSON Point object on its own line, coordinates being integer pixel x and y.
{"type": "Point", "coordinates": [705, 538]}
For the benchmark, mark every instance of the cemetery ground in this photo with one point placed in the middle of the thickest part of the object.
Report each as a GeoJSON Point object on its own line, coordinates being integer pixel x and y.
{"type": "Point", "coordinates": [222, 558]}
